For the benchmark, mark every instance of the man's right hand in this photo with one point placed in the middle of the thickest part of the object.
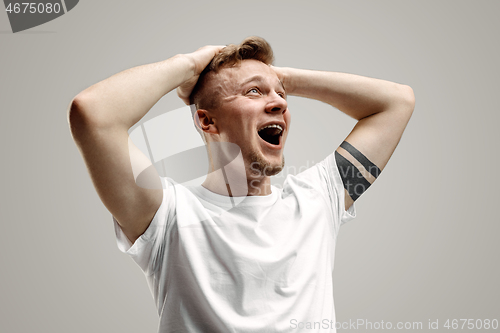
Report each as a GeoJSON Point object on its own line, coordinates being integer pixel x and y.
{"type": "Point", "coordinates": [199, 59]}
{"type": "Point", "coordinates": [100, 118]}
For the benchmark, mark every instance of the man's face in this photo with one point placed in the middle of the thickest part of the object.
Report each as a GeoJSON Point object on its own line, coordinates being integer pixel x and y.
{"type": "Point", "coordinates": [253, 113]}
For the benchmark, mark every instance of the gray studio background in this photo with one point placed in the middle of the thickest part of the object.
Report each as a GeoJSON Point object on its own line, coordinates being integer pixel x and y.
{"type": "Point", "coordinates": [425, 243]}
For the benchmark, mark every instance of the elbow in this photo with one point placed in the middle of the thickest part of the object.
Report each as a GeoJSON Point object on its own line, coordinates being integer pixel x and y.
{"type": "Point", "coordinates": [76, 111]}
{"type": "Point", "coordinates": [85, 110]}
{"type": "Point", "coordinates": [402, 101]}
{"type": "Point", "coordinates": [408, 98]}
{"type": "Point", "coordinates": [75, 107]}
{"type": "Point", "coordinates": [79, 116]}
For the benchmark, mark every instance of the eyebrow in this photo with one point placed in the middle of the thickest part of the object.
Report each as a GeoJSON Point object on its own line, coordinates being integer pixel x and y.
{"type": "Point", "coordinates": [260, 78]}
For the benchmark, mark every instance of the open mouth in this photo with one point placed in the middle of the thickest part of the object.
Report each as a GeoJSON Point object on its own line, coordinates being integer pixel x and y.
{"type": "Point", "coordinates": [271, 133]}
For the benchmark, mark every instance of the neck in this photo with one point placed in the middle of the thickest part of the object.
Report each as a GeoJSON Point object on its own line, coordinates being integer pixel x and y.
{"type": "Point", "coordinates": [226, 181]}
{"type": "Point", "coordinates": [231, 175]}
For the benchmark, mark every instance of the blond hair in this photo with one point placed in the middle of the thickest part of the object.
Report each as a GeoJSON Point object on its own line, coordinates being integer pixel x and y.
{"type": "Point", "coordinates": [257, 48]}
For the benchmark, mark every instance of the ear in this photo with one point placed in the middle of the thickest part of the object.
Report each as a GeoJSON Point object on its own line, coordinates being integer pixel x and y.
{"type": "Point", "coordinates": [205, 121]}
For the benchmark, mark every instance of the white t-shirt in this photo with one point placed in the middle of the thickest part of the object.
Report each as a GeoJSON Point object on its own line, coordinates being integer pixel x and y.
{"type": "Point", "coordinates": [258, 264]}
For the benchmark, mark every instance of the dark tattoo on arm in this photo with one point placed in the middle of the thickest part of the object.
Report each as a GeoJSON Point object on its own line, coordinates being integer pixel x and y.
{"type": "Point", "coordinates": [369, 165]}
{"type": "Point", "coordinates": [352, 177]}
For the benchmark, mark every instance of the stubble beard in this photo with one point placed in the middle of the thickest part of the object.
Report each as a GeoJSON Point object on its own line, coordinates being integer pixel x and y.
{"type": "Point", "coordinates": [259, 166]}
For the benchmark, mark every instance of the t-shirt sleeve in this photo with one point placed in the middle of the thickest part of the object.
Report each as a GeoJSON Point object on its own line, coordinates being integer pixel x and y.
{"type": "Point", "coordinates": [149, 249]}
{"type": "Point", "coordinates": [325, 178]}
{"type": "Point", "coordinates": [335, 189]}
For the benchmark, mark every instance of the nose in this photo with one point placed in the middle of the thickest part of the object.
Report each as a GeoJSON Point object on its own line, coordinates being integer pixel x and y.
{"type": "Point", "coordinates": [276, 103]}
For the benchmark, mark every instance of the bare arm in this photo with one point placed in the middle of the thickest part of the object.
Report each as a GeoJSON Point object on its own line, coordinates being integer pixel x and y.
{"type": "Point", "coordinates": [382, 109]}
{"type": "Point", "coordinates": [100, 117]}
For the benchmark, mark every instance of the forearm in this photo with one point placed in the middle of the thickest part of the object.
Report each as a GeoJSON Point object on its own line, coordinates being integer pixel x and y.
{"type": "Point", "coordinates": [355, 95]}
{"type": "Point", "coordinates": [124, 98]}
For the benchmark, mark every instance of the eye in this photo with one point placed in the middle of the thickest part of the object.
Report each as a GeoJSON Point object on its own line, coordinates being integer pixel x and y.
{"type": "Point", "coordinates": [282, 95]}
{"type": "Point", "coordinates": [253, 91]}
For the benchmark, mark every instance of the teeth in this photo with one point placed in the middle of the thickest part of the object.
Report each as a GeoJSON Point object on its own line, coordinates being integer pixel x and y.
{"type": "Point", "coordinates": [272, 126]}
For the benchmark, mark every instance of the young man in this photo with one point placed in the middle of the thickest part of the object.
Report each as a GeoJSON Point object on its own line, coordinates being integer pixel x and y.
{"type": "Point", "coordinates": [264, 263]}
